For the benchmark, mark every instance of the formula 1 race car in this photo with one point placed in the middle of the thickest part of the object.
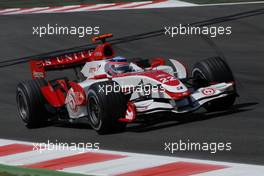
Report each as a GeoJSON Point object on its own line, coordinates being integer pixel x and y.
{"type": "Point", "coordinates": [113, 91]}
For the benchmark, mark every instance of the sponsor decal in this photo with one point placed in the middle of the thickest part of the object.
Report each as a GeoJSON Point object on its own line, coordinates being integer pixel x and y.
{"type": "Point", "coordinates": [94, 69]}
{"type": "Point", "coordinates": [68, 58]}
{"type": "Point", "coordinates": [208, 91]}
{"type": "Point", "coordinates": [74, 99]}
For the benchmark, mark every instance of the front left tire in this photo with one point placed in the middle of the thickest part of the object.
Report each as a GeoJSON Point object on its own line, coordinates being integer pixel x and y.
{"type": "Point", "coordinates": [104, 110]}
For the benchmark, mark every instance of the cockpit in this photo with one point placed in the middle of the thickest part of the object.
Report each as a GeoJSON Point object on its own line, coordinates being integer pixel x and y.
{"type": "Point", "coordinates": [118, 65]}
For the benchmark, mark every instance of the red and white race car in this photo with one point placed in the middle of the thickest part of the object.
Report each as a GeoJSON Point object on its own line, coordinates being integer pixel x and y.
{"type": "Point", "coordinates": [112, 91]}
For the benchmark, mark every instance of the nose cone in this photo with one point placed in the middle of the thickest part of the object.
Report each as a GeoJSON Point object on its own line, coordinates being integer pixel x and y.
{"type": "Point", "coordinates": [163, 77]}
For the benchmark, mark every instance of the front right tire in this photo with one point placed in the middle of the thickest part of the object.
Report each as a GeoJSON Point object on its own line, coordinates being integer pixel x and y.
{"type": "Point", "coordinates": [211, 71]}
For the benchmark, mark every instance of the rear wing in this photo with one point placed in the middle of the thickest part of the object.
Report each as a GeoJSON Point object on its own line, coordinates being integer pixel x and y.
{"type": "Point", "coordinates": [71, 60]}
{"type": "Point", "coordinates": [39, 67]}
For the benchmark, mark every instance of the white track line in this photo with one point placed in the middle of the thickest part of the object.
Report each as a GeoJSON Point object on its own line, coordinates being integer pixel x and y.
{"type": "Point", "coordinates": [232, 3]}
{"type": "Point", "coordinates": [5, 142]}
{"type": "Point", "coordinates": [169, 4]}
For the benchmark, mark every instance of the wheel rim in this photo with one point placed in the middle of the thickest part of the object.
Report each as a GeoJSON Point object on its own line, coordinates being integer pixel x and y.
{"type": "Point", "coordinates": [22, 107]}
{"type": "Point", "coordinates": [94, 111]}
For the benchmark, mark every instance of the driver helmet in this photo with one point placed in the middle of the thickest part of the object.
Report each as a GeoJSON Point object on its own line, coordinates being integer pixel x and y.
{"type": "Point", "coordinates": [118, 65]}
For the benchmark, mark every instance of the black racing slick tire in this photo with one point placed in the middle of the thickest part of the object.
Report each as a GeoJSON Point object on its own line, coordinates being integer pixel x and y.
{"type": "Point", "coordinates": [31, 103]}
{"type": "Point", "coordinates": [214, 70]}
{"type": "Point", "coordinates": [105, 108]}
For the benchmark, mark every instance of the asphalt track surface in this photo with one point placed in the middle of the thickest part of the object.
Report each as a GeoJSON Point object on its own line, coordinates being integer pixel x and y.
{"type": "Point", "coordinates": [242, 125]}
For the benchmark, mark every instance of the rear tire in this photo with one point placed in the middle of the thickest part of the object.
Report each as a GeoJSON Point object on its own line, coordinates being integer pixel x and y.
{"type": "Point", "coordinates": [214, 70]}
{"type": "Point", "coordinates": [104, 110]}
{"type": "Point", "coordinates": [31, 103]}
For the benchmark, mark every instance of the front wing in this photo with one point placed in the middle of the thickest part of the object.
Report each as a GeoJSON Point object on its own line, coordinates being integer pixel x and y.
{"type": "Point", "coordinates": [191, 103]}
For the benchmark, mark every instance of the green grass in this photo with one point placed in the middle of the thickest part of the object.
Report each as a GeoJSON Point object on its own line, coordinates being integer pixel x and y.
{"type": "Point", "coordinates": [218, 1]}
{"type": "Point", "coordinates": [19, 171]}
